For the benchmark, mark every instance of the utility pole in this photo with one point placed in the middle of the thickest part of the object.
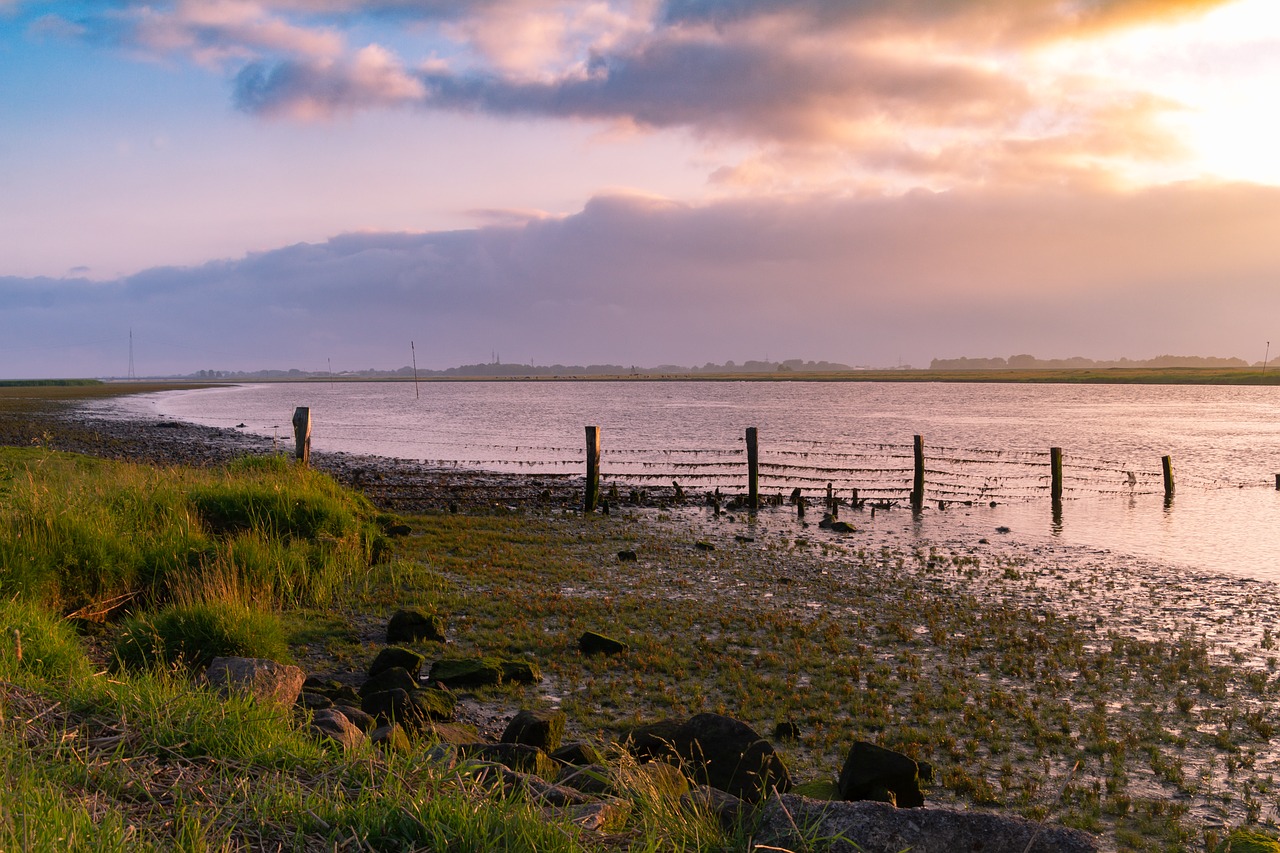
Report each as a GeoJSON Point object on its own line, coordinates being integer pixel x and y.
{"type": "Point", "coordinates": [132, 374]}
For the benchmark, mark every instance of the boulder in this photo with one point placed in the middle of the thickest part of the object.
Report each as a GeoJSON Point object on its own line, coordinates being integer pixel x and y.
{"type": "Point", "coordinates": [869, 827]}
{"type": "Point", "coordinates": [411, 708]}
{"type": "Point", "coordinates": [391, 738]}
{"type": "Point", "coordinates": [395, 656]}
{"type": "Point", "coordinates": [591, 643]}
{"type": "Point", "coordinates": [543, 729]}
{"type": "Point", "coordinates": [872, 772]}
{"type": "Point", "coordinates": [513, 756]}
{"type": "Point", "coordinates": [521, 672]}
{"type": "Point", "coordinates": [578, 754]}
{"type": "Point", "coordinates": [413, 625]}
{"type": "Point", "coordinates": [467, 672]}
{"type": "Point", "coordinates": [727, 809]}
{"type": "Point", "coordinates": [729, 755]}
{"type": "Point", "coordinates": [309, 701]}
{"type": "Point", "coordinates": [595, 779]}
{"type": "Point", "coordinates": [264, 680]}
{"type": "Point", "coordinates": [331, 724]}
{"type": "Point", "coordinates": [395, 678]}
{"type": "Point", "coordinates": [362, 721]}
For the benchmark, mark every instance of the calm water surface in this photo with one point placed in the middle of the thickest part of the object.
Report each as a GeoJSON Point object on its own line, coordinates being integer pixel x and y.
{"type": "Point", "coordinates": [983, 442]}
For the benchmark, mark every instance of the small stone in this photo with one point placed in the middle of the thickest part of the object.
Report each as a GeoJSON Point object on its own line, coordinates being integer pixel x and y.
{"type": "Point", "coordinates": [543, 729]}
{"type": "Point", "coordinates": [395, 656]}
{"type": "Point", "coordinates": [591, 643]}
{"type": "Point", "coordinates": [412, 625]}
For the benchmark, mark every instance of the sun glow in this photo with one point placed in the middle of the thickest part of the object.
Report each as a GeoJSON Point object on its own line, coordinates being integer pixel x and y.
{"type": "Point", "coordinates": [1219, 74]}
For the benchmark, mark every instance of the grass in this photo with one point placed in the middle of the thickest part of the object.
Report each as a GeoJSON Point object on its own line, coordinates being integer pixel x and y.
{"type": "Point", "coordinates": [1002, 671]}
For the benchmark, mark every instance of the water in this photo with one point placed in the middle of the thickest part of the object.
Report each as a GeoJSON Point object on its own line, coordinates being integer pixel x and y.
{"type": "Point", "coordinates": [984, 442]}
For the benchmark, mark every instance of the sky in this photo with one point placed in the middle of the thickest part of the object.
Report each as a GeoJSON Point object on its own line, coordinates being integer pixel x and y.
{"type": "Point", "coordinates": [315, 184]}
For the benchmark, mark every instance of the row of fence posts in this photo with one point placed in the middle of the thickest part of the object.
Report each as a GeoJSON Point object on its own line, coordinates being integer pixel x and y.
{"type": "Point", "coordinates": [302, 451]}
{"type": "Point", "coordinates": [917, 480]}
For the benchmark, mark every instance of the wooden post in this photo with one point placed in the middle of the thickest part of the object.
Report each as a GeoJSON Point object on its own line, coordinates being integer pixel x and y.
{"type": "Point", "coordinates": [917, 484]}
{"type": "Point", "coordinates": [856, 504]}
{"type": "Point", "coordinates": [302, 434]}
{"type": "Point", "coordinates": [593, 469]}
{"type": "Point", "coordinates": [1166, 463]}
{"type": "Point", "coordinates": [1055, 473]}
{"type": "Point", "coordinates": [753, 469]}
{"type": "Point", "coordinates": [1278, 482]}
{"type": "Point", "coordinates": [831, 501]}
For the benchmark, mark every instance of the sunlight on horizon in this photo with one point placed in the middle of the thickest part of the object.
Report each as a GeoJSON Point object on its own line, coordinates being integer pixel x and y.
{"type": "Point", "coordinates": [1220, 74]}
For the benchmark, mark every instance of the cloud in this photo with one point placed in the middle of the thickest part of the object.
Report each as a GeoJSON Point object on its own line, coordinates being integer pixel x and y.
{"type": "Point", "coordinates": [632, 279]}
{"type": "Point", "coordinates": [315, 90]}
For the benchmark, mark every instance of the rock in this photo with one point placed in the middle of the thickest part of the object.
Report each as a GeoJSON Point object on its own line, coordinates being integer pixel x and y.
{"type": "Point", "coordinates": [399, 530]}
{"type": "Point", "coordinates": [824, 790]}
{"type": "Point", "coordinates": [467, 672]}
{"type": "Point", "coordinates": [543, 729]}
{"type": "Point", "coordinates": [595, 779]}
{"type": "Point", "coordinates": [514, 756]}
{"type": "Point", "coordinates": [872, 772]}
{"type": "Point", "coordinates": [578, 754]}
{"type": "Point", "coordinates": [869, 827]}
{"type": "Point", "coordinates": [394, 656]}
{"type": "Point", "coordinates": [333, 725]}
{"type": "Point", "coordinates": [652, 740]}
{"type": "Point", "coordinates": [728, 809]}
{"type": "Point", "coordinates": [391, 738]}
{"type": "Point", "coordinates": [395, 678]}
{"type": "Point", "coordinates": [413, 709]}
{"type": "Point", "coordinates": [627, 556]}
{"type": "Point", "coordinates": [412, 625]}
{"type": "Point", "coordinates": [1247, 841]}
{"type": "Point", "coordinates": [842, 527]}
{"type": "Point", "coordinates": [728, 754]}
{"type": "Point", "coordinates": [521, 672]}
{"type": "Point", "coordinates": [314, 701]}
{"type": "Point", "coordinates": [591, 643]}
{"type": "Point", "coordinates": [786, 731]}
{"type": "Point", "coordinates": [264, 680]}
{"type": "Point", "coordinates": [602, 816]}
{"type": "Point", "coordinates": [703, 545]}
{"type": "Point", "coordinates": [362, 721]}
{"type": "Point", "coordinates": [450, 733]}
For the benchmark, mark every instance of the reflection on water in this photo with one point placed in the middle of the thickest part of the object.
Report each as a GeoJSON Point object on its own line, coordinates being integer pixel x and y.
{"type": "Point", "coordinates": [984, 442]}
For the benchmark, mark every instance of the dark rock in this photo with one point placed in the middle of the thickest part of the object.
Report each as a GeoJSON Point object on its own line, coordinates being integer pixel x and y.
{"type": "Point", "coordinates": [264, 680]}
{"type": "Point", "coordinates": [413, 709]}
{"type": "Point", "coordinates": [543, 729]}
{"type": "Point", "coordinates": [389, 679]}
{"type": "Point", "coordinates": [467, 672]}
{"type": "Point", "coordinates": [435, 705]}
{"type": "Point", "coordinates": [842, 527]}
{"type": "Point", "coordinates": [412, 625]}
{"type": "Point", "coordinates": [399, 530]}
{"type": "Point", "coordinates": [652, 740]}
{"type": "Point", "coordinates": [394, 656]}
{"type": "Point", "coordinates": [591, 643]}
{"type": "Point", "coordinates": [521, 672]}
{"type": "Point", "coordinates": [594, 779]}
{"type": "Point", "coordinates": [514, 756]}
{"type": "Point", "coordinates": [704, 546]}
{"type": "Point", "coordinates": [578, 754]}
{"type": "Point", "coordinates": [362, 721]}
{"type": "Point", "coordinates": [728, 809]}
{"type": "Point", "coordinates": [869, 827]}
{"type": "Point", "coordinates": [331, 724]}
{"type": "Point", "coordinates": [786, 731]}
{"type": "Point", "coordinates": [627, 556]}
{"type": "Point", "coordinates": [451, 733]}
{"type": "Point", "coordinates": [872, 772]}
{"type": "Point", "coordinates": [390, 737]}
{"type": "Point", "coordinates": [728, 754]}
{"type": "Point", "coordinates": [314, 701]}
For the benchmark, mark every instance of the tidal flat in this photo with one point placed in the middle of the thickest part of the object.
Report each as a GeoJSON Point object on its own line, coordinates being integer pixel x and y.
{"type": "Point", "coordinates": [1128, 699]}
{"type": "Point", "coordinates": [1131, 699]}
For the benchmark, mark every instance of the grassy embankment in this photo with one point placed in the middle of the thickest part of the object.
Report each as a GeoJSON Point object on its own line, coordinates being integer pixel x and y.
{"type": "Point", "coordinates": [118, 581]}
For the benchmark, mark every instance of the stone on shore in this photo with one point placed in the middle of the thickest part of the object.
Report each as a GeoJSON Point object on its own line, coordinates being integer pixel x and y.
{"type": "Point", "coordinates": [264, 680]}
{"type": "Point", "coordinates": [412, 625]}
{"type": "Point", "coordinates": [543, 729]}
{"type": "Point", "coordinates": [869, 827]}
{"type": "Point", "coordinates": [872, 772]}
{"type": "Point", "coordinates": [591, 643]}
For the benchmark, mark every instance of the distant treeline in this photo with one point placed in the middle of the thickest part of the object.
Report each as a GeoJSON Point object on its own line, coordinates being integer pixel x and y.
{"type": "Point", "coordinates": [498, 369]}
{"type": "Point", "coordinates": [1030, 362]}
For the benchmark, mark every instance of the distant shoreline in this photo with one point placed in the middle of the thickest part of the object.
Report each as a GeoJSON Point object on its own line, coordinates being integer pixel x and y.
{"type": "Point", "coordinates": [1083, 376]}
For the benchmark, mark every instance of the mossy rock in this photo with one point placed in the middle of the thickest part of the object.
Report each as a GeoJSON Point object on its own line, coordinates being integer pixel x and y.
{"type": "Point", "coordinates": [818, 790]}
{"type": "Point", "coordinates": [514, 756]}
{"type": "Point", "coordinates": [412, 625]}
{"type": "Point", "coordinates": [395, 656]}
{"type": "Point", "coordinates": [394, 678]}
{"type": "Point", "coordinates": [1247, 841]}
{"type": "Point", "coordinates": [467, 672]}
{"type": "Point", "coordinates": [521, 672]}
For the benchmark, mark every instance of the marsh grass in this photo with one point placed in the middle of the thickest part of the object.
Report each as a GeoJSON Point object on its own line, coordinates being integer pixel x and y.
{"type": "Point", "coordinates": [87, 535]}
{"type": "Point", "coordinates": [975, 661]}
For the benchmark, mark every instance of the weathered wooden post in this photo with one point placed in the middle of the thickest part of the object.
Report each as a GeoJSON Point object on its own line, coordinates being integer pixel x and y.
{"type": "Point", "coordinates": [856, 504]}
{"type": "Point", "coordinates": [917, 483]}
{"type": "Point", "coordinates": [593, 469]}
{"type": "Point", "coordinates": [1055, 474]}
{"type": "Point", "coordinates": [753, 469]}
{"type": "Point", "coordinates": [302, 434]}
{"type": "Point", "coordinates": [831, 501]}
{"type": "Point", "coordinates": [1278, 482]}
{"type": "Point", "coordinates": [1166, 463]}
